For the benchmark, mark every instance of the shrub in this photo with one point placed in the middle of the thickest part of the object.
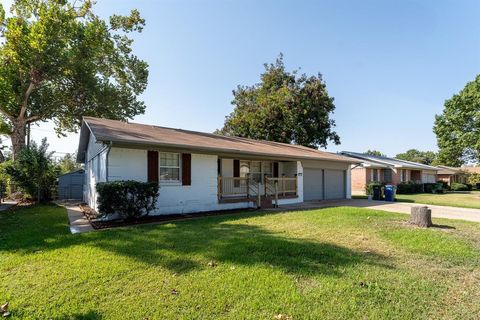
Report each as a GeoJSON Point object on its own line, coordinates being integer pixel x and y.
{"type": "Point", "coordinates": [445, 185]}
{"type": "Point", "coordinates": [409, 188]}
{"type": "Point", "coordinates": [34, 171]}
{"type": "Point", "coordinates": [130, 199]}
{"type": "Point", "coordinates": [438, 187]}
{"type": "Point", "coordinates": [469, 187]}
{"type": "Point", "coordinates": [369, 187]}
{"type": "Point", "coordinates": [459, 187]}
{"type": "Point", "coordinates": [429, 187]}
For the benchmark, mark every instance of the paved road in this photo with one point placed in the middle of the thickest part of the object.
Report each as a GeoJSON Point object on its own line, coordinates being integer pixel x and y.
{"type": "Point", "coordinates": [400, 207]}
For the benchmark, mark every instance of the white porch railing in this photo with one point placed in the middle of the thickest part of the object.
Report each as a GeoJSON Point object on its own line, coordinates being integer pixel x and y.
{"type": "Point", "coordinates": [243, 187]}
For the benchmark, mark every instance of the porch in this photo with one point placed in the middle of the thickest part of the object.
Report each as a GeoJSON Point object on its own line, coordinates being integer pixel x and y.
{"type": "Point", "coordinates": [256, 180]}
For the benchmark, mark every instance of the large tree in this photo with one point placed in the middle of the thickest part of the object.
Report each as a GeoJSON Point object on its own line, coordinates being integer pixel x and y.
{"type": "Point", "coordinates": [284, 107]}
{"type": "Point", "coordinates": [59, 61]}
{"type": "Point", "coordinates": [414, 155]}
{"type": "Point", "coordinates": [458, 127]}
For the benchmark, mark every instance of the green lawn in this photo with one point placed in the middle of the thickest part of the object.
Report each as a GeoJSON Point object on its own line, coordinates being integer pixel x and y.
{"type": "Point", "coordinates": [337, 263]}
{"type": "Point", "coordinates": [454, 199]}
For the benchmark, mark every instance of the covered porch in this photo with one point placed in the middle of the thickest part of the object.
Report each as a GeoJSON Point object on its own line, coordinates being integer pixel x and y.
{"type": "Point", "coordinates": [256, 179]}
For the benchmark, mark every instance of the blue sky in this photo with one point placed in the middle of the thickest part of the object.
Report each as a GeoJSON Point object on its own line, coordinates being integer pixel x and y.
{"type": "Point", "coordinates": [389, 64]}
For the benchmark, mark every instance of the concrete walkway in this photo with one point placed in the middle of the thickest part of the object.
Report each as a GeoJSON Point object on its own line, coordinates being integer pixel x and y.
{"type": "Point", "coordinates": [78, 222]}
{"type": "Point", "coordinates": [5, 205]}
{"type": "Point", "coordinates": [400, 207]}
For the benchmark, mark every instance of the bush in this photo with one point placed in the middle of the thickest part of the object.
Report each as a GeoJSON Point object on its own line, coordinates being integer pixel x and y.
{"type": "Point", "coordinates": [438, 187]}
{"type": "Point", "coordinates": [469, 186]}
{"type": "Point", "coordinates": [130, 199]}
{"type": "Point", "coordinates": [445, 185]}
{"type": "Point", "coordinates": [409, 188]}
{"type": "Point", "coordinates": [34, 172]}
{"type": "Point", "coordinates": [369, 187]}
{"type": "Point", "coordinates": [429, 187]}
{"type": "Point", "coordinates": [459, 187]}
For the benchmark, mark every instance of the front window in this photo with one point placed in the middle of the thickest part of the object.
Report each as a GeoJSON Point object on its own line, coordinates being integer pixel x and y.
{"type": "Point", "coordinates": [256, 171]}
{"type": "Point", "coordinates": [387, 175]}
{"type": "Point", "coordinates": [404, 175]}
{"type": "Point", "coordinates": [169, 166]}
{"type": "Point", "coordinates": [374, 175]}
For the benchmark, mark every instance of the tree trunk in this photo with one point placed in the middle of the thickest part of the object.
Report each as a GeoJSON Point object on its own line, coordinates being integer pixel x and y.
{"type": "Point", "coordinates": [421, 216]}
{"type": "Point", "coordinates": [18, 136]}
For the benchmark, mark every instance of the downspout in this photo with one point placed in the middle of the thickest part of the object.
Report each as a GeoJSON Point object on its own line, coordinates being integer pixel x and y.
{"type": "Point", "coordinates": [106, 160]}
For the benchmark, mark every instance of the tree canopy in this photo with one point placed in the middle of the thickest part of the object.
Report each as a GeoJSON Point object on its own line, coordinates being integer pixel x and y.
{"type": "Point", "coordinates": [375, 153]}
{"type": "Point", "coordinates": [414, 155]}
{"type": "Point", "coordinates": [458, 127]}
{"type": "Point", "coordinates": [284, 107]}
{"type": "Point", "coordinates": [68, 163]}
{"type": "Point", "coordinates": [59, 61]}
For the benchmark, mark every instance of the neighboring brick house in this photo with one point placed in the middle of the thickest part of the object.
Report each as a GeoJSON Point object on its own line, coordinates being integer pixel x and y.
{"type": "Point", "coordinates": [387, 170]}
{"type": "Point", "coordinates": [452, 175]}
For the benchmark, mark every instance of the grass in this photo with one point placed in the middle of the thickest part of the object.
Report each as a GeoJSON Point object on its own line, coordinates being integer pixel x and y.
{"type": "Point", "coordinates": [336, 263]}
{"type": "Point", "coordinates": [453, 199]}
{"type": "Point", "coordinates": [463, 199]}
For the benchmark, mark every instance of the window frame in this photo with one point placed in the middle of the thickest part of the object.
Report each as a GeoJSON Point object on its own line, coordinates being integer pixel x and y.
{"type": "Point", "coordinates": [162, 181]}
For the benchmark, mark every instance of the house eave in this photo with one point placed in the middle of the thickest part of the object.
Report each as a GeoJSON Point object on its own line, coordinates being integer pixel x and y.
{"type": "Point", "coordinates": [219, 151]}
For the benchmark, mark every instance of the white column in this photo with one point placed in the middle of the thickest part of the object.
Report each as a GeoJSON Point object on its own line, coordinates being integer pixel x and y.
{"type": "Point", "coordinates": [348, 183]}
{"type": "Point", "coordinates": [300, 181]}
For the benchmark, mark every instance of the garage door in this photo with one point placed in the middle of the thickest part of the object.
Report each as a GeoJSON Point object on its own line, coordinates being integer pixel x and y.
{"type": "Point", "coordinates": [312, 184]}
{"type": "Point", "coordinates": [334, 184]}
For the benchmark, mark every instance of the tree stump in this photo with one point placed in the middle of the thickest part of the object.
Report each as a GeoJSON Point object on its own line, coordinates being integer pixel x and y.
{"type": "Point", "coordinates": [421, 216]}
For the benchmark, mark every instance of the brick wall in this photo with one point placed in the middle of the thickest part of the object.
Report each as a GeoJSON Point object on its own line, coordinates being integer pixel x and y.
{"type": "Point", "coordinates": [359, 178]}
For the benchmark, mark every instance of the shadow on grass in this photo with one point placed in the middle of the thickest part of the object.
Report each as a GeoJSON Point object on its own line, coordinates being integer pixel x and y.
{"type": "Point", "coordinates": [189, 245]}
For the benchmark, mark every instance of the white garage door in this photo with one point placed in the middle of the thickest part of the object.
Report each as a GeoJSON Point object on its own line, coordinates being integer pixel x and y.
{"type": "Point", "coordinates": [312, 184]}
{"type": "Point", "coordinates": [335, 184]}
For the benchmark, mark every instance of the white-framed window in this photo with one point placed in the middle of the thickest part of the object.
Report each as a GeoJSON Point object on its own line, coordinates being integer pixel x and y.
{"type": "Point", "coordinates": [256, 170]}
{"type": "Point", "coordinates": [404, 175]}
{"type": "Point", "coordinates": [387, 175]}
{"type": "Point", "coordinates": [267, 168]}
{"type": "Point", "coordinates": [374, 175]}
{"type": "Point", "coordinates": [169, 167]}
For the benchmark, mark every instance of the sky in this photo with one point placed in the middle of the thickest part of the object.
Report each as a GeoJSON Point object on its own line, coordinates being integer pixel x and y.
{"type": "Point", "coordinates": [390, 65]}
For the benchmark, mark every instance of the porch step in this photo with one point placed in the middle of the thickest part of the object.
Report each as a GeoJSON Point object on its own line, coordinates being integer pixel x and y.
{"type": "Point", "coordinates": [266, 203]}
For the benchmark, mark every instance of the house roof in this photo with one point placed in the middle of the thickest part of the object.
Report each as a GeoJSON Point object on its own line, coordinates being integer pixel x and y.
{"type": "Point", "coordinates": [450, 170]}
{"type": "Point", "coordinates": [135, 134]}
{"type": "Point", "coordinates": [471, 169]}
{"type": "Point", "coordinates": [377, 161]}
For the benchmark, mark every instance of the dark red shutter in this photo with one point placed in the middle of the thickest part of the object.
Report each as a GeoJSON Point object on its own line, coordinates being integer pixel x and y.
{"type": "Point", "coordinates": [152, 166]}
{"type": "Point", "coordinates": [275, 169]}
{"type": "Point", "coordinates": [186, 169]}
{"type": "Point", "coordinates": [236, 168]}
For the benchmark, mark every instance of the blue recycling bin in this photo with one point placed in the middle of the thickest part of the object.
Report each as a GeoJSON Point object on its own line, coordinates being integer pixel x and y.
{"type": "Point", "coordinates": [390, 193]}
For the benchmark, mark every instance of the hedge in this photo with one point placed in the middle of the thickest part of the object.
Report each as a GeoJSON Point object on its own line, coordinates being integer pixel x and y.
{"type": "Point", "coordinates": [129, 199]}
{"type": "Point", "coordinates": [409, 188]}
{"type": "Point", "coordinates": [460, 187]}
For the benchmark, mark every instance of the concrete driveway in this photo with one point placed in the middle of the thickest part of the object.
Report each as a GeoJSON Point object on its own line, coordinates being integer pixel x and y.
{"type": "Point", "coordinates": [400, 207]}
